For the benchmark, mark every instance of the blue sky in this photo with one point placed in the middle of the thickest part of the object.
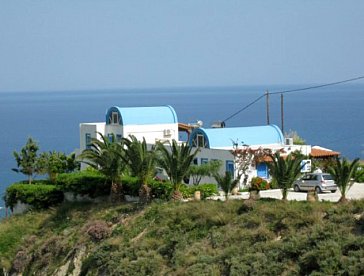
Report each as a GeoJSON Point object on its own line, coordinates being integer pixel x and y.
{"type": "Point", "coordinates": [93, 44]}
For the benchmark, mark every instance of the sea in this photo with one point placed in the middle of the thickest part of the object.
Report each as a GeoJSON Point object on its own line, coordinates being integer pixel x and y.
{"type": "Point", "coordinates": [331, 117]}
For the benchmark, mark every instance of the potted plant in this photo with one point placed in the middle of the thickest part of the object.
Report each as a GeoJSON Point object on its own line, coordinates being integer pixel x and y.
{"type": "Point", "coordinates": [257, 184]}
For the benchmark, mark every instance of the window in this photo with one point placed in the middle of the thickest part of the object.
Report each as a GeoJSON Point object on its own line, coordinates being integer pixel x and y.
{"type": "Point", "coordinates": [88, 140]}
{"type": "Point", "coordinates": [118, 137]}
{"type": "Point", "coordinates": [195, 161]}
{"type": "Point", "coordinates": [115, 118]}
{"type": "Point", "coordinates": [230, 166]}
{"type": "Point", "coordinates": [204, 161]}
{"type": "Point", "coordinates": [327, 177]}
{"type": "Point", "coordinates": [111, 137]}
{"type": "Point", "coordinates": [200, 141]}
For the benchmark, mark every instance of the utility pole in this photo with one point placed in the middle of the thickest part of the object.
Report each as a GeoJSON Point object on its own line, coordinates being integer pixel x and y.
{"type": "Point", "coordinates": [282, 114]}
{"type": "Point", "coordinates": [267, 102]}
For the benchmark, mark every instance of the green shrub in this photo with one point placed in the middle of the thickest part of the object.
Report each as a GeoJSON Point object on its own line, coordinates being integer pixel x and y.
{"type": "Point", "coordinates": [38, 196]}
{"type": "Point", "coordinates": [187, 191]}
{"type": "Point", "coordinates": [38, 181]}
{"type": "Point", "coordinates": [161, 189]}
{"type": "Point", "coordinates": [207, 190]}
{"type": "Point", "coordinates": [359, 174]}
{"type": "Point", "coordinates": [86, 182]}
{"type": "Point", "coordinates": [94, 184]}
{"type": "Point", "coordinates": [131, 185]}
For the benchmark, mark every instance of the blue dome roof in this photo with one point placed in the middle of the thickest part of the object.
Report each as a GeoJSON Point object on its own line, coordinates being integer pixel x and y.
{"type": "Point", "coordinates": [225, 137]}
{"type": "Point", "coordinates": [143, 115]}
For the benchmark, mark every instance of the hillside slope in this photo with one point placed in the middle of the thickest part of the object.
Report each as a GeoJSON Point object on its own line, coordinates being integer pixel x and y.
{"type": "Point", "coordinates": [195, 238]}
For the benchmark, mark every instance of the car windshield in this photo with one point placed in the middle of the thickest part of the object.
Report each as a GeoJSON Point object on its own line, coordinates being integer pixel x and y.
{"type": "Point", "coordinates": [327, 177]}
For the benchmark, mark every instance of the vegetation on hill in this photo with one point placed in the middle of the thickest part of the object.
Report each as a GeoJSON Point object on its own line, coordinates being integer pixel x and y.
{"type": "Point", "coordinates": [52, 163]}
{"type": "Point", "coordinates": [195, 238]}
{"type": "Point", "coordinates": [172, 237]}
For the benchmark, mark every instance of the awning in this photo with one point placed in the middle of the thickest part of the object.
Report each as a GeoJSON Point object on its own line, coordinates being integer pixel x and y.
{"type": "Point", "coordinates": [318, 152]}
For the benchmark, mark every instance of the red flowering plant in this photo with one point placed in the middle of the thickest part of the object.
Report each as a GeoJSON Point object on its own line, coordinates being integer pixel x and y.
{"type": "Point", "coordinates": [258, 184]}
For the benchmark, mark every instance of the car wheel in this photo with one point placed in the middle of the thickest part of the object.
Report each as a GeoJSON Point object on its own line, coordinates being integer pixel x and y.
{"type": "Point", "coordinates": [333, 191]}
{"type": "Point", "coordinates": [296, 188]}
{"type": "Point", "coordinates": [318, 190]}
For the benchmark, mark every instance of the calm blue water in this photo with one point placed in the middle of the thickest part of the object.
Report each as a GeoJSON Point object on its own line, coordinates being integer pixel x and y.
{"type": "Point", "coordinates": [331, 117]}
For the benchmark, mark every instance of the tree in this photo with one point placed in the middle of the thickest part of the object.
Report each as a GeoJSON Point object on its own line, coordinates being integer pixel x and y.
{"type": "Point", "coordinates": [285, 170]}
{"type": "Point", "coordinates": [343, 171]}
{"type": "Point", "coordinates": [52, 163]}
{"type": "Point", "coordinates": [26, 159]}
{"type": "Point", "coordinates": [106, 156]}
{"type": "Point", "coordinates": [227, 183]}
{"type": "Point", "coordinates": [207, 169]}
{"type": "Point", "coordinates": [246, 157]}
{"type": "Point", "coordinates": [141, 163]}
{"type": "Point", "coordinates": [176, 161]}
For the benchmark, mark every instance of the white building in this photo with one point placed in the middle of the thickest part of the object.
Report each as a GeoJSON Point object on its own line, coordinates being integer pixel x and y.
{"type": "Point", "coordinates": [160, 123]}
{"type": "Point", "coordinates": [153, 123]}
{"type": "Point", "coordinates": [256, 137]}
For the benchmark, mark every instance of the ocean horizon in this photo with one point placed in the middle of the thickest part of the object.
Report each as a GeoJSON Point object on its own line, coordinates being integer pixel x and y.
{"type": "Point", "coordinates": [330, 117]}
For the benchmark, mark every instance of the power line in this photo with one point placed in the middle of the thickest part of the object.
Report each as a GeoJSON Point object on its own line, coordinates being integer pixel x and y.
{"type": "Point", "coordinates": [245, 107]}
{"type": "Point", "coordinates": [291, 91]}
{"type": "Point", "coordinates": [316, 86]}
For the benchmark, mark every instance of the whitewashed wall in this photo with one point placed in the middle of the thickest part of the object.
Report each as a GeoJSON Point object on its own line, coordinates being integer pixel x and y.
{"type": "Point", "coordinates": [152, 133]}
{"type": "Point", "coordinates": [93, 129]}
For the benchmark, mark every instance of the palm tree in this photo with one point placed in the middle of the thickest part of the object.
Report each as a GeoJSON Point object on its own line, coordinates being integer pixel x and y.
{"type": "Point", "coordinates": [105, 155]}
{"type": "Point", "coordinates": [226, 182]}
{"type": "Point", "coordinates": [285, 170]}
{"type": "Point", "coordinates": [141, 163]}
{"type": "Point", "coordinates": [343, 171]}
{"type": "Point", "coordinates": [176, 162]}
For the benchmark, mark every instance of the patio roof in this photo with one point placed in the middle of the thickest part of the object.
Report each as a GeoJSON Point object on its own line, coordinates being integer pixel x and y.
{"type": "Point", "coordinates": [318, 152]}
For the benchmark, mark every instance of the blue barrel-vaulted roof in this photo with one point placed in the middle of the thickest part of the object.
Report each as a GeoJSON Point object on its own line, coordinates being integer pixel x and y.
{"type": "Point", "coordinates": [225, 137]}
{"type": "Point", "coordinates": [143, 115]}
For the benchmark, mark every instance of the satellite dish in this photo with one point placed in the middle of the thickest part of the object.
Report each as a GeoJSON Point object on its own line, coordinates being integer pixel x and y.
{"type": "Point", "coordinates": [198, 124]}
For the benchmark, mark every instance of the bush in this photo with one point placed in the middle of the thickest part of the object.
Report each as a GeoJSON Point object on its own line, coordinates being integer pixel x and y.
{"type": "Point", "coordinates": [98, 230]}
{"type": "Point", "coordinates": [161, 189]}
{"type": "Point", "coordinates": [38, 196]}
{"type": "Point", "coordinates": [359, 174]}
{"type": "Point", "coordinates": [94, 184]}
{"type": "Point", "coordinates": [131, 185]}
{"type": "Point", "coordinates": [206, 190]}
{"type": "Point", "coordinates": [38, 182]}
{"type": "Point", "coordinates": [258, 184]}
{"type": "Point", "coordinates": [90, 183]}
